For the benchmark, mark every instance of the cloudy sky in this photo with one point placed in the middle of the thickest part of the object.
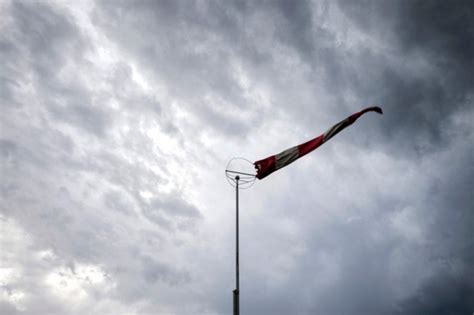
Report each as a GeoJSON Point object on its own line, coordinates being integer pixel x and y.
{"type": "Point", "coordinates": [118, 119]}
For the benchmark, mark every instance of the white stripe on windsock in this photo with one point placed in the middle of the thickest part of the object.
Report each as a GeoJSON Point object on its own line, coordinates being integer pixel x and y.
{"type": "Point", "coordinates": [333, 130]}
{"type": "Point", "coordinates": [286, 157]}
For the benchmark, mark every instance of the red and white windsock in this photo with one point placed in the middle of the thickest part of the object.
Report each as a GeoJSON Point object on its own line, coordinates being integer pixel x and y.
{"type": "Point", "coordinates": [272, 163]}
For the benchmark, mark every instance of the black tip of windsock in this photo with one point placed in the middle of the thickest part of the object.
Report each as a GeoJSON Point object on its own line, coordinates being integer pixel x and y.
{"type": "Point", "coordinates": [371, 109]}
{"type": "Point", "coordinates": [378, 110]}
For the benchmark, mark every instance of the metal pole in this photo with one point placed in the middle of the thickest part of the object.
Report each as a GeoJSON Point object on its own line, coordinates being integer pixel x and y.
{"type": "Point", "coordinates": [236, 291]}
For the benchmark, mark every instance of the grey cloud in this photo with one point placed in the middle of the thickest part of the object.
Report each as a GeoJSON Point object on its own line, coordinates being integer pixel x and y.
{"type": "Point", "coordinates": [175, 206]}
{"type": "Point", "coordinates": [41, 41]}
{"type": "Point", "coordinates": [86, 117]}
{"type": "Point", "coordinates": [56, 178]}
{"type": "Point", "coordinates": [376, 222]}
{"type": "Point", "coordinates": [449, 213]}
{"type": "Point", "coordinates": [445, 294]}
{"type": "Point", "coordinates": [7, 308]}
{"type": "Point", "coordinates": [43, 38]}
{"type": "Point", "coordinates": [125, 89]}
{"type": "Point", "coordinates": [171, 212]}
{"type": "Point", "coordinates": [154, 271]}
{"type": "Point", "coordinates": [46, 33]}
{"type": "Point", "coordinates": [190, 71]}
{"type": "Point", "coordinates": [417, 100]}
{"type": "Point", "coordinates": [119, 201]}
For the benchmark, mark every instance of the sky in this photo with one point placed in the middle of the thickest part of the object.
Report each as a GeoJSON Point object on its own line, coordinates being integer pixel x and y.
{"type": "Point", "coordinates": [118, 119]}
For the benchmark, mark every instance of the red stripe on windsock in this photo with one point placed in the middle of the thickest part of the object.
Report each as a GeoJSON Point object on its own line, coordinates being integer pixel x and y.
{"type": "Point", "coordinates": [265, 167]}
{"type": "Point", "coordinates": [309, 146]}
{"type": "Point", "coordinates": [272, 163]}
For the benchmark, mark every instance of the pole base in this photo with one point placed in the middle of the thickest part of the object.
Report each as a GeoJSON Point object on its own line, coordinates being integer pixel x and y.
{"type": "Point", "coordinates": [236, 302]}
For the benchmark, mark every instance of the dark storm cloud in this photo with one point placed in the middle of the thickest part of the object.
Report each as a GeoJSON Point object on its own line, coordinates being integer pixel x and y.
{"type": "Point", "coordinates": [366, 263]}
{"type": "Point", "coordinates": [445, 294]}
{"type": "Point", "coordinates": [298, 31]}
{"type": "Point", "coordinates": [118, 114]}
{"type": "Point", "coordinates": [419, 106]}
{"type": "Point", "coordinates": [418, 99]}
{"type": "Point", "coordinates": [449, 215]}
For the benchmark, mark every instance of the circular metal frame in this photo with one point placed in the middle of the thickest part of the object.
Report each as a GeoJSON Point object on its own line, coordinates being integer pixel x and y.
{"type": "Point", "coordinates": [245, 179]}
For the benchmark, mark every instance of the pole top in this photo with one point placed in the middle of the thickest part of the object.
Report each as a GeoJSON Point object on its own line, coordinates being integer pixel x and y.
{"type": "Point", "coordinates": [240, 172]}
